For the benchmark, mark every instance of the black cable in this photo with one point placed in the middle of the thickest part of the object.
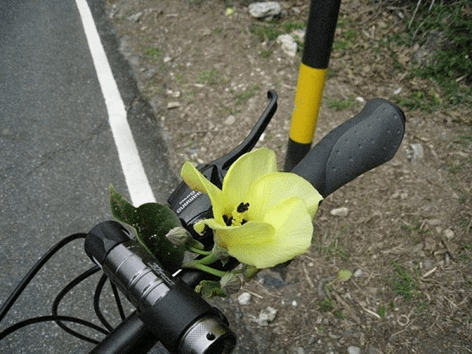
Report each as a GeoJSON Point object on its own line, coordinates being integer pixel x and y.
{"type": "Point", "coordinates": [96, 302]}
{"type": "Point", "coordinates": [61, 295]}
{"type": "Point", "coordinates": [119, 305]}
{"type": "Point", "coordinates": [31, 321]}
{"type": "Point", "coordinates": [32, 272]}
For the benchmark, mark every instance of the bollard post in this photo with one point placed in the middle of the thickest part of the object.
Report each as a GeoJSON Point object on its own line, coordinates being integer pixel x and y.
{"type": "Point", "coordinates": [322, 19]}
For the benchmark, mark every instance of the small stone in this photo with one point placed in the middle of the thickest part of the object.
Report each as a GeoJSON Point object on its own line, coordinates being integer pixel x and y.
{"type": "Point", "coordinates": [353, 350]}
{"type": "Point", "coordinates": [271, 279]}
{"type": "Point", "coordinates": [294, 303]}
{"type": "Point", "coordinates": [449, 234]}
{"type": "Point", "coordinates": [265, 9]}
{"type": "Point", "coordinates": [172, 105]}
{"type": "Point", "coordinates": [206, 32]}
{"type": "Point", "coordinates": [230, 120]}
{"type": "Point", "coordinates": [358, 273]}
{"type": "Point", "coordinates": [298, 350]}
{"type": "Point", "coordinates": [433, 222]}
{"type": "Point", "coordinates": [428, 264]}
{"type": "Point", "coordinates": [135, 17]}
{"type": "Point", "coordinates": [342, 212]}
{"type": "Point", "coordinates": [417, 248]}
{"type": "Point", "coordinates": [244, 299]}
{"type": "Point", "coordinates": [267, 315]}
{"type": "Point", "coordinates": [288, 44]}
{"type": "Point", "coordinates": [416, 153]}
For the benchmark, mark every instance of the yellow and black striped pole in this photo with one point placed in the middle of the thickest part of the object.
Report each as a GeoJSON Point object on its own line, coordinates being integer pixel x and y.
{"type": "Point", "coordinates": [319, 37]}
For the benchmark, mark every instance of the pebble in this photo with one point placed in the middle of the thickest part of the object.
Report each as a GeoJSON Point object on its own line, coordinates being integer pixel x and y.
{"type": "Point", "coordinates": [172, 105]}
{"type": "Point", "coordinates": [353, 350]}
{"type": "Point", "coordinates": [449, 234]}
{"type": "Point", "coordinates": [271, 279]}
{"type": "Point", "coordinates": [288, 44]}
{"type": "Point", "coordinates": [416, 153]}
{"type": "Point", "coordinates": [298, 350]}
{"type": "Point", "coordinates": [265, 9]}
{"type": "Point", "coordinates": [433, 222]}
{"type": "Point", "coordinates": [244, 299]}
{"type": "Point", "coordinates": [266, 315]}
{"type": "Point", "coordinates": [135, 17]}
{"type": "Point", "coordinates": [230, 120]}
{"type": "Point", "coordinates": [343, 212]}
{"type": "Point", "coordinates": [174, 94]}
{"type": "Point", "coordinates": [358, 273]}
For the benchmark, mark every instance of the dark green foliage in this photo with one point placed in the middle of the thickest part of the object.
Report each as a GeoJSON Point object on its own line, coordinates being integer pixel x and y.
{"type": "Point", "coordinates": [152, 222]}
{"type": "Point", "coordinates": [445, 28]}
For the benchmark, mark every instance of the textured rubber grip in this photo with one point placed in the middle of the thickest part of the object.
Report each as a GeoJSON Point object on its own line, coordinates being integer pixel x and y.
{"type": "Point", "coordinates": [367, 140]}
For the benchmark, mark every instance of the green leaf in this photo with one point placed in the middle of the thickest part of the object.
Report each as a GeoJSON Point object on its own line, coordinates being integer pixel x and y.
{"type": "Point", "coordinates": [209, 289]}
{"type": "Point", "coordinates": [152, 222]}
{"type": "Point", "coordinates": [121, 209]}
{"type": "Point", "coordinates": [344, 275]}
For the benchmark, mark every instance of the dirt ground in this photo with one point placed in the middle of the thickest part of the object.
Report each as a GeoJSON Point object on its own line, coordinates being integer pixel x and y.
{"type": "Point", "coordinates": [406, 237]}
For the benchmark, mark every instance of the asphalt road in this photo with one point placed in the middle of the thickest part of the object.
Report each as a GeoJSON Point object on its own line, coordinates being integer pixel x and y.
{"type": "Point", "coordinates": [57, 158]}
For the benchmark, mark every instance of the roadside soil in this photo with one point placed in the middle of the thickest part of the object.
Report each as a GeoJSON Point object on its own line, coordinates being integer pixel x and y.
{"type": "Point", "coordinates": [406, 236]}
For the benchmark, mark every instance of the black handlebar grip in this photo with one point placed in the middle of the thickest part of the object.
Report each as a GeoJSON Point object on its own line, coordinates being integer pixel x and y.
{"type": "Point", "coordinates": [367, 140]}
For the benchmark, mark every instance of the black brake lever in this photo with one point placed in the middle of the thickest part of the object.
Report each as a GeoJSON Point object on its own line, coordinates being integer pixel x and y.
{"type": "Point", "coordinates": [191, 206]}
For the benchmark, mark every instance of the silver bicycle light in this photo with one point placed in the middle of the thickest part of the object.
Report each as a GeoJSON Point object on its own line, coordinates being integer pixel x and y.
{"type": "Point", "coordinates": [181, 319]}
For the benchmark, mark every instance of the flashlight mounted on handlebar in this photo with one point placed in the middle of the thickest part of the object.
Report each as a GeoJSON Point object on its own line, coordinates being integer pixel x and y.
{"type": "Point", "coordinates": [180, 318]}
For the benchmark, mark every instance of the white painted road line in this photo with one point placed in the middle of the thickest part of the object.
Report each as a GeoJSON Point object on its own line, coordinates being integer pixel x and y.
{"type": "Point", "coordinates": [135, 176]}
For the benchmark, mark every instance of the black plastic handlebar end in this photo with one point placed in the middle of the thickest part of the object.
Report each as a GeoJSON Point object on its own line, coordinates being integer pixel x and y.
{"type": "Point", "coordinates": [102, 238]}
{"type": "Point", "coordinates": [367, 140]}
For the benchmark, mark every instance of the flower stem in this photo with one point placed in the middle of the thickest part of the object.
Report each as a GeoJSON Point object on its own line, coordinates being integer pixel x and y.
{"type": "Point", "coordinates": [202, 264]}
{"type": "Point", "coordinates": [199, 251]}
{"type": "Point", "coordinates": [209, 259]}
{"type": "Point", "coordinates": [210, 270]}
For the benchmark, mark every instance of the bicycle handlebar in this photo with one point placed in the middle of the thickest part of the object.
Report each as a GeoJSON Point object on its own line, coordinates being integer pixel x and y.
{"type": "Point", "coordinates": [367, 140]}
{"type": "Point", "coordinates": [168, 307]}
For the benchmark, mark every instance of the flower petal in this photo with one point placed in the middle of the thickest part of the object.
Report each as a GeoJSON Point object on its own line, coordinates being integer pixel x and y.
{"type": "Point", "coordinates": [294, 231]}
{"type": "Point", "coordinates": [245, 171]}
{"type": "Point", "coordinates": [238, 239]}
{"type": "Point", "coordinates": [198, 182]}
{"type": "Point", "coordinates": [273, 188]}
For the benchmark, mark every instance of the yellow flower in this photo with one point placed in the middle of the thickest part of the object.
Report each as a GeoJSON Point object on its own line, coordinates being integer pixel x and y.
{"type": "Point", "coordinates": [260, 216]}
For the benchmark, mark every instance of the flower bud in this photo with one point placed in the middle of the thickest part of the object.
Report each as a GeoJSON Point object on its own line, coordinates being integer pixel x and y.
{"type": "Point", "coordinates": [178, 236]}
{"type": "Point", "coordinates": [231, 283]}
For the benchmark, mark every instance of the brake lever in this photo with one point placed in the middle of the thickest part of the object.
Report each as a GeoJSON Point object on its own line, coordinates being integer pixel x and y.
{"type": "Point", "coordinates": [191, 206]}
